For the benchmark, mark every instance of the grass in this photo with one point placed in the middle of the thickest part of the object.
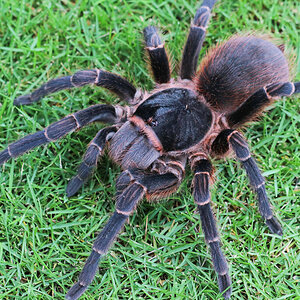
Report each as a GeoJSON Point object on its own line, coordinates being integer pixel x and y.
{"type": "Point", "coordinates": [46, 237]}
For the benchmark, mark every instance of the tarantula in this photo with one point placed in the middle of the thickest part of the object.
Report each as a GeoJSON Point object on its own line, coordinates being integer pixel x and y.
{"type": "Point", "coordinates": [186, 120]}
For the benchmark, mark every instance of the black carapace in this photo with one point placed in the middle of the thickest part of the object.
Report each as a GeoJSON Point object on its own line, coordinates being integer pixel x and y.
{"type": "Point", "coordinates": [178, 118]}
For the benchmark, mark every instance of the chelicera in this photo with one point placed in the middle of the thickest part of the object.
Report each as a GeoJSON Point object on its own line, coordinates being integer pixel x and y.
{"type": "Point", "coordinates": [187, 120]}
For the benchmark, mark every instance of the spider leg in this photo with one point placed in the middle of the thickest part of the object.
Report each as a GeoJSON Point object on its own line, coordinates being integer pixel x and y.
{"type": "Point", "coordinates": [195, 40]}
{"type": "Point", "coordinates": [203, 171]}
{"type": "Point", "coordinates": [157, 54]}
{"type": "Point", "coordinates": [131, 185]}
{"type": "Point", "coordinates": [90, 159]}
{"type": "Point", "coordinates": [100, 113]}
{"type": "Point", "coordinates": [240, 147]}
{"type": "Point", "coordinates": [116, 84]}
{"type": "Point", "coordinates": [259, 100]}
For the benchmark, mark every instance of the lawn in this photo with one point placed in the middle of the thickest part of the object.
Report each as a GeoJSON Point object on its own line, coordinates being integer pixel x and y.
{"type": "Point", "coordinates": [46, 237]}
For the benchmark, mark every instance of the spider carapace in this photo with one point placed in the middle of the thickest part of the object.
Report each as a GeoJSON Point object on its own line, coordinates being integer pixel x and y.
{"type": "Point", "coordinates": [171, 121]}
{"type": "Point", "coordinates": [187, 120]}
{"type": "Point", "coordinates": [177, 117]}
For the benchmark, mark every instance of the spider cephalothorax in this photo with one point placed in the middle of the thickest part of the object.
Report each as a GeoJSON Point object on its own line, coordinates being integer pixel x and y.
{"type": "Point", "coordinates": [183, 121]}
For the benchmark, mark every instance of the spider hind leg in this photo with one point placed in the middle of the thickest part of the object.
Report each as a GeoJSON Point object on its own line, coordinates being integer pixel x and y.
{"type": "Point", "coordinates": [259, 100]}
{"type": "Point", "coordinates": [157, 55]}
{"type": "Point", "coordinates": [257, 181]}
{"type": "Point", "coordinates": [195, 40]}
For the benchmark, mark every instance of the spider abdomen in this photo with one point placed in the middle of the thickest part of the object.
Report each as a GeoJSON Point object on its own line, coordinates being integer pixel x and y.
{"type": "Point", "coordinates": [236, 69]}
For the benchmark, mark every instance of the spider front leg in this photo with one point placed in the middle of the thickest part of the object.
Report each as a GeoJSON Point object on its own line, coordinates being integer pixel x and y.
{"type": "Point", "coordinates": [195, 40]}
{"type": "Point", "coordinates": [241, 149]}
{"type": "Point", "coordinates": [126, 203]}
{"type": "Point", "coordinates": [96, 113]}
{"type": "Point", "coordinates": [131, 187]}
{"type": "Point", "coordinates": [91, 156]}
{"type": "Point", "coordinates": [203, 171]}
{"type": "Point", "coordinates": [115, 83]}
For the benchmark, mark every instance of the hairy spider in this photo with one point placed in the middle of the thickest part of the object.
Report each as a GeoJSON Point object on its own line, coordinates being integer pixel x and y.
{"type": "Point", "coordinates": [190, 119]}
